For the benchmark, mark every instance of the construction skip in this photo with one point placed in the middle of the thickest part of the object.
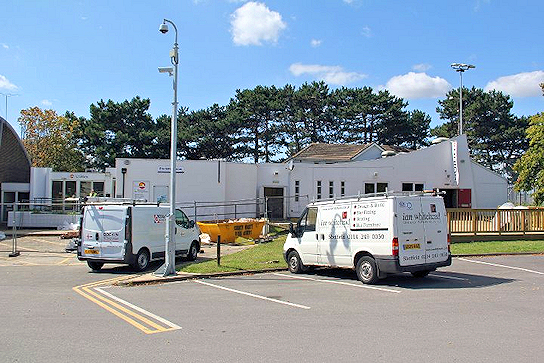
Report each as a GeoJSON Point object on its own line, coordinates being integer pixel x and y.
{"type": "Point", "coordinates": [376, 235]}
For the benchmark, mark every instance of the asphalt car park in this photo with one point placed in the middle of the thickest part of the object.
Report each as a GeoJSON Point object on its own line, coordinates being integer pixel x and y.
{"type": "Point", "coordinates": [478, 309]}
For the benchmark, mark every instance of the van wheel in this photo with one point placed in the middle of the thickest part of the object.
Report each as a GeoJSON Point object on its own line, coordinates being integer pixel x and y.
{"type": "Point", "coordinates": [95, 266]}
{"type": "Point", "coordinates": [295, 263]}
{"type": "Point", "coordinates": [366, 270]}
{"type": "Point", "coordinates": [420, 274]}
{"type": "Point", "coordinates": [142, 260]}
{"type": "Point", "coordinates": [193, 251]}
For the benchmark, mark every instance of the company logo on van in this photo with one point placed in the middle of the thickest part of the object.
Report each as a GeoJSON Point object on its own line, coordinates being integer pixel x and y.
{"type": "Point", "coordinates": [407, 205]}
{"type": "Point", "coordinates": [159, 218]}
{"type": "Point", "coordinates": [141, 185]}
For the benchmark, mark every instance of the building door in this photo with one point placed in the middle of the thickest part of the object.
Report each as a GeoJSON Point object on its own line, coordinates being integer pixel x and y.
{"type": "Point", "coordinates": [450, 199]}
{"type": "Point", "coordinates": [274, 200]}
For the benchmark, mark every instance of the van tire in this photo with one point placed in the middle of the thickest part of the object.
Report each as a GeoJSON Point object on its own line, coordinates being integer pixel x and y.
{"type": "Point", "coordinates": [193, 251]}
{"type": "Point", "coordinates": [142, 260]}
{"type": "Point", "coordinates": [295, 263]}
{"type": "Point", "coordinates": [420, 274]}
{"type": "Point", "coordinates": [95, 266]}
{"type": "Point", "coordinates": [366, 270]}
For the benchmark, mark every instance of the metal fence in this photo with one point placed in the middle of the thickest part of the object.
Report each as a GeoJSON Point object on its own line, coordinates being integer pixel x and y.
{"type": "Point", "coordinates": [496, 221]}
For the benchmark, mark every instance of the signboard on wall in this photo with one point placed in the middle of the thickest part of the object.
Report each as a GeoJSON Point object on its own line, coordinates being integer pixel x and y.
{"type": "Point", "coordinates": [140, 189]}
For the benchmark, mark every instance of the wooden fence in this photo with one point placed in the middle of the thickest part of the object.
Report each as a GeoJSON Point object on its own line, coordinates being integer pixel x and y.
{"type": "Point", "coordinates": [496, 221]}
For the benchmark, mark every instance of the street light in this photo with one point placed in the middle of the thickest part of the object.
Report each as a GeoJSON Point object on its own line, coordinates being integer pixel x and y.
{"type": "Point", "coordinates": [169, 267]}
{"type": "Point", "coordinates": [461, 68]}
{"type": "Point", "coordinates": [8, 95]}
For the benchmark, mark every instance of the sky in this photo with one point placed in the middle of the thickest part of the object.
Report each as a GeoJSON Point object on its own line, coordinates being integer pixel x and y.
{"type": "Point", "coordinates": [67, 55]}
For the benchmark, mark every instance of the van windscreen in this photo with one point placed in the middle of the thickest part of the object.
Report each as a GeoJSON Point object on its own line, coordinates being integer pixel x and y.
{"type": "Point", "coordinates": [104, 220]}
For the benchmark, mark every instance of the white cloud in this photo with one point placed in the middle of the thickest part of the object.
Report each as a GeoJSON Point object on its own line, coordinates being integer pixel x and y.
{"type": "Point", "coordinates": [5, 46]}
{"type": "Point", "coordinates": [47, 103]}
{"type": "Point", "coordinates": [417, 85]}
{"type": "Point", "coordinates": [367, 32]}
{"type": "Point", "coordinates": [6, 84]}
{"type": "Point", "coordinates": [315, 43]}
{"type": "Point", "coordinates": [422, 67]}
{"type": "Point", "coordinates": [519, 85]}
{"type": "Point", "coordinates": [254, 22]}
{"type": "Point", "coordinates": [334, 75]}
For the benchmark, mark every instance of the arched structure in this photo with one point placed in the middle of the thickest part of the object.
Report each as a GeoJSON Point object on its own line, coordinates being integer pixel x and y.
{"type": "Point", "coordinates": [14, 160]}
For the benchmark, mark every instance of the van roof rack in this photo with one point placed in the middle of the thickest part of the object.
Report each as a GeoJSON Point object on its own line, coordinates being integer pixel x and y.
{"type": "Point", "coordinates": [382, 194]}
{"type": "Point", "coordinates": [116, 201]}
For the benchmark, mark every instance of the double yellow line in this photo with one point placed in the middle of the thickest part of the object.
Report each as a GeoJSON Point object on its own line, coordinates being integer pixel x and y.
{"type": "Point", "coordinates": [132, 314]}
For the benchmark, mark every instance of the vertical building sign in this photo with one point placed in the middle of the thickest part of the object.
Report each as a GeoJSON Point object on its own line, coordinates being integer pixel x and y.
{"type": "Point", "coordinates": [455, 162]}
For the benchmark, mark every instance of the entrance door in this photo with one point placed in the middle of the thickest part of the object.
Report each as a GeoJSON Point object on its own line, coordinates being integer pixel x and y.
{"type": "Point", "coordinates": [274, 198]}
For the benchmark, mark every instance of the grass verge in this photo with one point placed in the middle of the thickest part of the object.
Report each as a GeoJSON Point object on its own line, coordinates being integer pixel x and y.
{"type": "Point", "coordinates": [261, 256]}
{"type": "Point", "coordinates": [270, 255]}
{"type": "Point", "coordinates": [497, 247]}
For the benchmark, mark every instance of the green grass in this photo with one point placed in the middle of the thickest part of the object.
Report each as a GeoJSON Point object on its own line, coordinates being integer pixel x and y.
{"type": "Point", "coordinates": [497, 247]}
{"type": "Point", "coordinates": [261, 256]}
{"type": "Point", "coordinates": [270, 255]}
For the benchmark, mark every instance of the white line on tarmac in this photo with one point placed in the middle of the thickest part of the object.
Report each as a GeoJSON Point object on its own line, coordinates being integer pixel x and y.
{"type": "Point", "coordinates": [253, 295]}
{"type": "Point", "coordinates": [497, 265]}
{"type": "Point", "coordinates": [139, 309]}
{"type": "Point", "coordinates": [338, 282]}
{"type": "Point", "coordinates": [448, 277]}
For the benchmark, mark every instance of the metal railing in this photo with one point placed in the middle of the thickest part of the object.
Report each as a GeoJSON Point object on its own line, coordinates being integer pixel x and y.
{"type": "Point", "coordinates": [496, 221]}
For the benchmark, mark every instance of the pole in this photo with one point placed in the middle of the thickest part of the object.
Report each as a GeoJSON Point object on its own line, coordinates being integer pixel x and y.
{"type": "Point", "coordinates": [218, 250]}
{"type": "Point", "coordinates": [171, 239]}
{"type": "Point", "coordinates": [461, 105]}
{"type": "Point", "coordinates": [14, 252]}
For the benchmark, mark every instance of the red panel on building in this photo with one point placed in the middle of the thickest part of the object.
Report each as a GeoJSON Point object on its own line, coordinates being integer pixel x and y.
{"type": "Point", "coordinates": [464, 199]}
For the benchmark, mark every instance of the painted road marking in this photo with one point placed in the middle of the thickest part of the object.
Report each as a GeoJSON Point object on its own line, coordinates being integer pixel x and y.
{"type": "Point", "coordinates": [497, 265]}
{"type": "Point", "coordinates": [253, 295]}
{"type": "Point", "coordinates": [140, 318]}
{"type": "Point", "coordinates": [448, 277]}
{"type": "Point", "coordinates": [338, 282]}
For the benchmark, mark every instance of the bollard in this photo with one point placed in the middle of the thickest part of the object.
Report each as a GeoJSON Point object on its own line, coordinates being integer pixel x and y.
{"type": "Point", "coordinates": [218, 250]}
{"type": "Point", "coordinates": [14, 252]}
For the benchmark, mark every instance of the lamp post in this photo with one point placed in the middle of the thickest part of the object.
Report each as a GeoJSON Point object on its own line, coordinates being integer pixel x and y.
{"type": "Point", "coordinates": [461, 68]}
{"type": "Point", "coordinates": [169, 267]}
{"type": "Point", "coordinates": [8, 95]}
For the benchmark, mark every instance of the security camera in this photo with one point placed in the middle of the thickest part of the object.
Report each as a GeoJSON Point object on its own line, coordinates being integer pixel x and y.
{"type": "Point", "coordinates": [163, 28]}
{"type": "Point", "coordinates": [166, 70]}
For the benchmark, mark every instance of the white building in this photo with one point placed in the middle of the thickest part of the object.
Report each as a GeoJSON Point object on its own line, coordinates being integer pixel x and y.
{"type": "Point", "coordinates": [319, 171]}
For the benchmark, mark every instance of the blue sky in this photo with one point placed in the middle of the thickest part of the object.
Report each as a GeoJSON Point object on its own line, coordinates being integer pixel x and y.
{"type": "Point", "coordinates": [65, 55]}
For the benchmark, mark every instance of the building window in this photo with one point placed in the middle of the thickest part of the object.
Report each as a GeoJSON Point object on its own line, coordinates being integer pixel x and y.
{"type": "Point", "coordinates": [371, 188]}
{"type": "Point", "coordinates": [342, 188]}
{"type": "Point", "coordinates": [407, 187]}
{"type": "Point", "coordinates": [318, 189]}
{"type": "Point", "coordinates": [98, 188]}
{"type": "Point", "coordinates": [297, 190]}
{"type": "Point", "coordinates": [331, 189]}
{"type": "Point", "coordinates": [381, 187]}
{"type": "Point", "coordinates": [411, 187]}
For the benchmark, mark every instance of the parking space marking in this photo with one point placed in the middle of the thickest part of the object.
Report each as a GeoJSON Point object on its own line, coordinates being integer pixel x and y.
{"type": "Point", "coordinates": [139, 318]}
{"type": "Point", "coordinates": [498, 265]}
{"type": "Point", "coordinates": [338, 282]}
{"type": "Point", "coordinates": [448, 277]}
{"type": "Point", "coordinates": [253, 295]}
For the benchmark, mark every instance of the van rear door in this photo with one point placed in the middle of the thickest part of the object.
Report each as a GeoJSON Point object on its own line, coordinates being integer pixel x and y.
{"type": "Point", "coordinates": [103, 232]}
{"type": "Point", "coordinates": [410, 231]}
{"type": "Point", "coordinates": [433, 214]}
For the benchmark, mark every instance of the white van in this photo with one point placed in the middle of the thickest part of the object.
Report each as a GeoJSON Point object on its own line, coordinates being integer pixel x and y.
{"type": "Point", "coordinates": [132, 234]}
{"type": "Point", "coordinates": [376, 236]}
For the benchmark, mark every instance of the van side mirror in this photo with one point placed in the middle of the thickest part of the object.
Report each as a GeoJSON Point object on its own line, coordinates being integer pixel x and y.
{"type": "Point", "coordinates": [191, 224]}
{"type": "Point", "coordinates": [292, 230]}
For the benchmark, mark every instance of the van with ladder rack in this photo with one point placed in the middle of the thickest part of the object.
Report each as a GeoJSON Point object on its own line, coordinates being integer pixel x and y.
{"type": "Point", "coordinates": [131, 232]}
{"type": "Point", "coordinates": [377, 235]}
